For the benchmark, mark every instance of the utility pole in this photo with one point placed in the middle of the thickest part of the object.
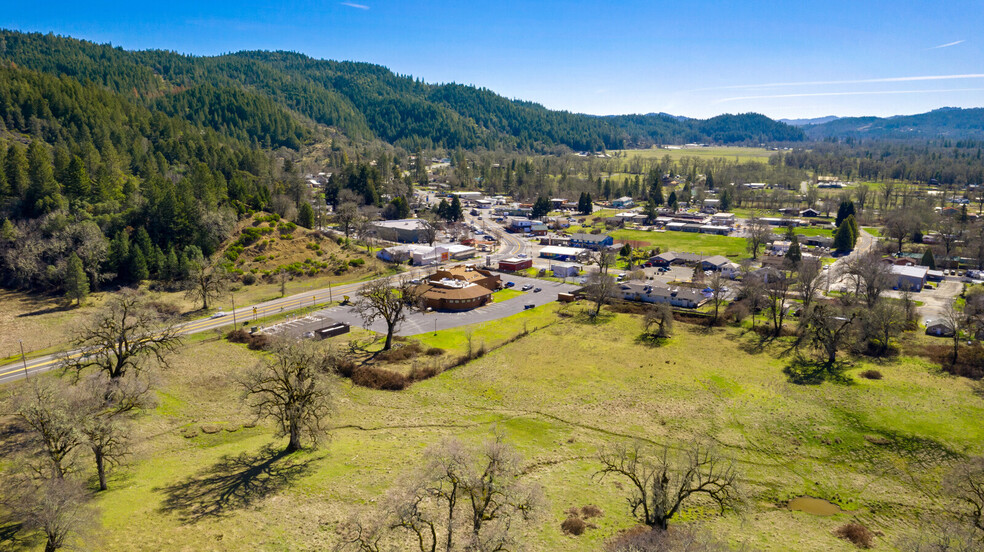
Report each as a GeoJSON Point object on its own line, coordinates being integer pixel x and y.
{"type": "Point", "coordinates": [24, 360]}
{"type": "Point", "coordinates": [234, 324]}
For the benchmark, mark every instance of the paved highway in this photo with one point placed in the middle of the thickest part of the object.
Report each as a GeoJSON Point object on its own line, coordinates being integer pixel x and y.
{"type": "Point", "coordinates": [16, 369]}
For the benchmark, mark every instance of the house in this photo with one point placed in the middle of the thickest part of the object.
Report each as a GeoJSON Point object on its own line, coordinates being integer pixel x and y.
{"type": "Point", "coordinates": [818, 241]}
{"type": "Point", "coordinates": [939, 328]}
{"type": "Point", "coordinates": [912, 277]}
{"type": "Point", "coordinates": [671, 258]}
{"type": "Point", "coordinates": [483, 203]}
{"type": "Point", "coordinates": [774, 221]}
{"type": "Point", "coordinates": [557, 202]}
{"type": "Point", "coordinates": [514, 264]}
{"type": "Point", "coordinates": [721, 264]}
{"type": "Point", "coordinates": [561, 253]}
{"type": "Point", "coordinates": [713, 229]}
{"type": "Point", "coordinates": [520, 224]}
{"type": "Point", "coordinates": [676, 296]}
{"type": "Point", "coordinates": [780, 246]}
{"type": "Point", "coordinates": [562, 269]}
{"type": "Point", "coordinates": [402, 231]}
{"type": "Point", "coordinates": [539, 229]}
{"type": "Point", "coordinates": [809, 213]}
{"type": "Point", "coordinates": [755, 185]}
{"type": "Point", "coordinates": [591, 241]}
{"type": "Point", "coordinates": [723, 219]}
{"type": "Point", "coordinates": [623, 202]}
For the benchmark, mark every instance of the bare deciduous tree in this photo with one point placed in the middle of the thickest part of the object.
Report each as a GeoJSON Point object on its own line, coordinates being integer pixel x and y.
{"type": "Point", "coordinates": [661, 484]}
{"type": "Point", "coordinates": [776, 293]}
{"type": "Point", "coordinates": [121, 337]}
{"type": "Point", "coordinates": [599, 288]}
{"type": "Point", "coordinates": [345, 216]}
{"type": "Point", "coordinates": [292, 387]}
{"type": "Point", "coordinates": [58, 507]}
{"type": "Point", "coordinates": [899, 226]}
{"type": "Point", "coordinates": [827, 327]}
{"type": "Point", "coordinates": [658, 320]}
{"type": "Point", "coordinates": [54, 424]}
{"type": "Point", "coordinates": [809, 280]}
{"type": "Point", "coordinates": [871, 276]}
{"type": "Point", "coordinates": [883, 322]}
{"type": "Point", "coordinates": [382, 299]}
{"type": "Point", "coordinates": [758, 234]}
{"type": "Point", "coordinates": [207, 280]}
{"type": "Point", "coordinates": [718, 293]}
{"type": "Point", "coordinates": [966, 484]}
{"type": "Point", "coordinates": [464, 499]}
{"type": "Point", "coordinates": [955, 319]}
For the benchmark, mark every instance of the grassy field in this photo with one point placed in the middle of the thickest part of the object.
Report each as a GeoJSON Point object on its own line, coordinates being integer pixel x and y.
{"type": "Point", "coordinates": [706, 244]}
{"type": "Point", "coordinates": [731, 153]}
{"type": "Point", "coordinates": [558, 401]}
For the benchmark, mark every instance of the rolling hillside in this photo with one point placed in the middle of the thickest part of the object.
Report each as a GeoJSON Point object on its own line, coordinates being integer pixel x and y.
{"type": "Point", "coordinates": [362, 100]}
{"type": "Point", "coordinates": [948, 122]}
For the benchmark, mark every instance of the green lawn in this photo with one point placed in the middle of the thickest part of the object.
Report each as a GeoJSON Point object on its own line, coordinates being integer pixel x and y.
{"type": "Point", "coordinates": [506, 294]}
{"type": "Point", "coordinates": [873, 230]}
{"type": "Point", "coordinates": [705, 244]}
{"type": "Point", "coordinates": [559, 395]}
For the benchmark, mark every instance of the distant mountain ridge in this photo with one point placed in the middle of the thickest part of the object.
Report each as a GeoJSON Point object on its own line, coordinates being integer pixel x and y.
{"type": "Point", "coordinates": [276, 98]}
{"type": "Point", "coordinates": [947, 122]}
{"type": "Point", "coordinates": [814, 121]}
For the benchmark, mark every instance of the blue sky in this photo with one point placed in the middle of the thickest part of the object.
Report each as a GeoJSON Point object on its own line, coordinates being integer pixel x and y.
{"type": "Point", "coordinates": [693, 58]}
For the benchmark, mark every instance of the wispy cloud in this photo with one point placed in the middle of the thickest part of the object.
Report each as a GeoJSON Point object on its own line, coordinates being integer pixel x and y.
{"type": "Point", "coordinates": [947, 45]}
{"type": "Point", "coordinates": [856, 81]}
{"type": "Point", "coordinates": [354, 5]}
{"type": "Point", "coordinates": [858, 93]}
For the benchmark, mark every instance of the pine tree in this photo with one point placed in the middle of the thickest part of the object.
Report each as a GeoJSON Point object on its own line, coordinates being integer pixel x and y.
{"type": "Point", "coordinates": [172, 266]}
{"type": "Point", "coordinates": [845, 210]}
{"type": "Point", "coordinates": [671, 201]}
{"type": "Point", "coordinates": [305, 215]}
{"type": "Point", "coordinates": [855, 231]}
{"type": "Point", "coordinates": [794, 255]}
{"type": "Point", "coordinates": [15, 168]}
{"type": "Point", "coordinates": [76, 181]}
{"type": "Point", "coordinates": [658, 193]}
{"type": "Point", "coordinates": [456, 213]}
{"type": "Point", "coordinates": [843, 238]}
{"type": "Point", "coordinates": [76, 282]}
{"type": "Point", "coordinates": [709, 181]}
{"type": "Point", "coordinates": [138, 270]}
{"type": "Point", "coordinates": [119, 255]}
{"type": "Point", "coordinates": [928, 259]}
{"type": "Point", "coordinates": [42, 195]}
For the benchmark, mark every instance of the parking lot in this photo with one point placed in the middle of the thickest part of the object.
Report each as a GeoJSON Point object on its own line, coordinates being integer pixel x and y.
{"type": "Point", "coordinates": [420, 322]}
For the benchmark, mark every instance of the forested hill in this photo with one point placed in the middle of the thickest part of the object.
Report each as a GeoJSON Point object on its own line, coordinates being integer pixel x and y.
{"type": "Point", "coordinates": [270, 99]}
{"type": "Point", "coordinates": [947, 123]}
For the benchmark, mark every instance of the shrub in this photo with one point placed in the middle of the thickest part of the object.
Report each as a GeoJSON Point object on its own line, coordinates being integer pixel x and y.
{"type": "Point", "coordinates": [259, 342]}
{"type": "Point", "coordinates": [871, 374]}
{"type": "Point", "coordinates": [573, 526]}
{"type": "Point", "coordinates": [377, 378]}
{"type": "Point", "coordinates": [357, 262]}
{"type": "Point", "coordinates": [418, 373]}
{"type": "Point", "coordinates": [434, 351]}
{"type": "Point", "coordinates": [856, 533]}
{"type": "Point", "coordinates": [238, 336]}
{"type": "Point", "coordinates": [249, 278]}
{"type": "Point", "coordinates": [590, 511]}
{"type": "Point", "coordinates": [397, 354]}
{"type": "Point", "coordinates": [166, 309]}
{"type": "Point", "coordinates": [344, 367]}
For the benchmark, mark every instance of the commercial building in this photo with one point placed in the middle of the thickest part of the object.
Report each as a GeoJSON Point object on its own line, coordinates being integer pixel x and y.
{"type": "Point", "coordinates": [563, 269]}
{"type": "Point", "coordinates": [676, 296]}
{"type": "Point", "coordinates": [912, 277]}
{"type": "Point", "coordinates": [561, 253]}
{"type": "Point", "coordinates": [591, 241]}
{"type": "Point", "coordinates": [402, 231]}
{"type": "Point", "coordinates": [458, 288]}
{"type": "Point", "coordinates": [514, 264]}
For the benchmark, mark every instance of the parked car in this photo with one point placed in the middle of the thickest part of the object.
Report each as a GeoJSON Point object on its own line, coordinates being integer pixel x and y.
{"type": "Point", "coordinates": [510, 284]}
{"type": "Point", "coordinates": [527, 287]}
{"type": "Point", "coordinates": [537, 290]}
{"type": "Point", "coordinates": [528, 306]}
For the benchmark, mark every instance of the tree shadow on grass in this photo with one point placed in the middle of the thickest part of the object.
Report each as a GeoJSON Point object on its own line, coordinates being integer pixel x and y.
{"type": "Point", "coordinates": [803, 371]}
{"type": "Point", "coordinates": [651, 340]}
{"type": "Point", "coordinates": [234, 482]}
